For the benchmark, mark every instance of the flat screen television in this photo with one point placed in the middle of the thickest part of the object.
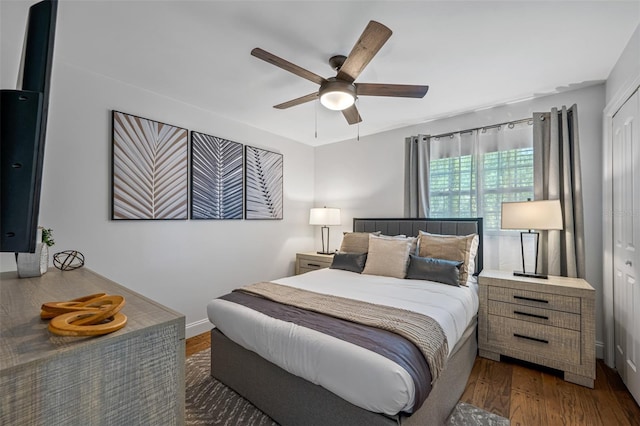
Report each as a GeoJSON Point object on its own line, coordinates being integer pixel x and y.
{"type": "Point", "coordinates": [23, 125]}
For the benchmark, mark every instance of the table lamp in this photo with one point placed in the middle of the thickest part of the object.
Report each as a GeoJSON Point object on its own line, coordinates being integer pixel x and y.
{"type": "Point", "coordinates": [541, 215]}
{"type": "Point", "coordinates": [324, 217]}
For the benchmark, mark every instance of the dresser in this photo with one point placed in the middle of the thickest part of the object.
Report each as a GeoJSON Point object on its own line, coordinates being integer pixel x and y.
{"type": "Point", "coordinates": [311, 261]}
{"type": "Point", "coordinates": [134, 376]}
{"type": "Point", "coordinates": [550, 322]}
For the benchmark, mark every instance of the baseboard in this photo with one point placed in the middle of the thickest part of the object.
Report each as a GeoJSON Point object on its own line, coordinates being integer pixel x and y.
{"type": "Point", "coordinates": [599, 350]}
{"type": "Point", "coordinates": [198, 327]}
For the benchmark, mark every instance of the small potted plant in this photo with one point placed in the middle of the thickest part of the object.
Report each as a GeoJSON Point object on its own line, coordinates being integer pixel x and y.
{"type": "Point", "coordinates": [47, 236]}
{"type": "Point", "coordinates": [36, 264]}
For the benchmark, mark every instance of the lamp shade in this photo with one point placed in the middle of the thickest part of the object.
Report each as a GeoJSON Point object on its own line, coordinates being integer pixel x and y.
{"type": "Point", "coordinates": [541, 215]}
{"type": "Point", "coordinates": [324, 216]}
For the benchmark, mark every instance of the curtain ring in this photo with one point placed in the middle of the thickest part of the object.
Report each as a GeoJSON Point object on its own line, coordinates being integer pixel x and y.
{"type": "Point", "coordinates": [511, 125]}
{"type": "Point", "coordinates": [451, 136]}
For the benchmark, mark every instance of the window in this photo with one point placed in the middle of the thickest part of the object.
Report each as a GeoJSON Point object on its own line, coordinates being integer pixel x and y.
{"type": "Point", "coordinates": [470, 175]}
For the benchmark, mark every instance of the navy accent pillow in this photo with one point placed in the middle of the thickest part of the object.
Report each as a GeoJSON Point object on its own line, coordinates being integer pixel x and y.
{"type": "Point", "coordinates": [431, 269]}
{"type": "Point", "coordinates": [353, 262]}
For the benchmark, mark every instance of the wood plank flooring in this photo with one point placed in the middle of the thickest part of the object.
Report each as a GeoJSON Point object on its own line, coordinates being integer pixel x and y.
{"type": "Point", "coordinates": [534, 396]}
{"type": "Point", "coordinates": [531, 395]}
{"type": "Point", "coordinates": [198, 343]}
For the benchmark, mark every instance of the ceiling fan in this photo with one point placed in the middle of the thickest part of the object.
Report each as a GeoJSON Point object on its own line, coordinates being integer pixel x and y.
{"type": "Point", "coordinates": [340, 92]}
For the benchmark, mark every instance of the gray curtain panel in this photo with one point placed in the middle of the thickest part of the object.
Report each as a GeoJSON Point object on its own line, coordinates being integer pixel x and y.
{"type": "Point", "coordinates": [557, 175]}
{"type": "Point", "coordinates": [416, 176]}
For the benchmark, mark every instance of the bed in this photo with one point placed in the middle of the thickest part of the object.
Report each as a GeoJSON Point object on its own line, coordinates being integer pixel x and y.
{"type": "Point", "coordinates": [308, 373]}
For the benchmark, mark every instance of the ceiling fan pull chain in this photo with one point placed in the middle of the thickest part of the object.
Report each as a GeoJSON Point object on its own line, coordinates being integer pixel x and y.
{"type": "Point", "coordinates": [316, 117]}
{"type": "Point", "coordinates": [358, 136]}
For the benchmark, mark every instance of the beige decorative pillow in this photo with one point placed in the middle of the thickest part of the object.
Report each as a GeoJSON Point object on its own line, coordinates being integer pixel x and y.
{"type": "Point", "coordinates": [388, 257]}
{"type": "Point", "coordinates": [450, 247]}
{"type": "Point", "coordinates": [356, 242]}
{"type": "Point", "coordinates": [412, 240]}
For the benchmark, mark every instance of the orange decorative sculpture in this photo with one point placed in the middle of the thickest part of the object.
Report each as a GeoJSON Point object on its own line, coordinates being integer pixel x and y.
{"type": "Point", "coordinates": [91, 315]}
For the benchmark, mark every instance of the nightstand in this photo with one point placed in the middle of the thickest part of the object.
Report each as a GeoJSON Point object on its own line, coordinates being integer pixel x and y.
{"type": "Point", "coordinates": [547, 322]}
{"type": "Point", "coordinates": [311, 261]}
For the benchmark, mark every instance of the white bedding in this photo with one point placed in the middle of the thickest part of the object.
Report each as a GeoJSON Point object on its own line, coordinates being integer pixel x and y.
{"type": "Point", "coordinates": [362, 377]}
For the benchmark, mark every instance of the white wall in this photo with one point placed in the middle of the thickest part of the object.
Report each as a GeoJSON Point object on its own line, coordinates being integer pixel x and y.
{"type": "Point", "coordinates": [181, 264]}
{"type": "Point", "coordinates": [366, 178]}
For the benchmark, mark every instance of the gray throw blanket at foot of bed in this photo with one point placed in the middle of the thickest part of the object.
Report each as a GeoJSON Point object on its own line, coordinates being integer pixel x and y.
{"type": "Point", "coordinates": [422, 330]}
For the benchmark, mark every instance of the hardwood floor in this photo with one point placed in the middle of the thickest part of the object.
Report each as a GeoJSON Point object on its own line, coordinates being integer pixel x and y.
{"type": "Point", "coordinates": [534, 396]}
{"type": "Point", "coordinates": [198, 343]}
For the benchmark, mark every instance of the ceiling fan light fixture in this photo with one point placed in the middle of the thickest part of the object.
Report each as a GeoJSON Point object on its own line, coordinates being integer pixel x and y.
{"type": "Point", "coordinates": [337, 95]}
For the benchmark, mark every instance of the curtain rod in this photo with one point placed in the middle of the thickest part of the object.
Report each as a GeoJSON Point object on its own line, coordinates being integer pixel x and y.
{"type": "Point", "coordinates": [508, 123]}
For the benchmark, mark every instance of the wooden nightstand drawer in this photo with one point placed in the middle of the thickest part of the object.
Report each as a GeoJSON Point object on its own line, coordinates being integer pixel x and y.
{"type": "Point", "coordinates": [537, 299]}
{"type": "Point", "coordinates": [306, 262]}
{"type": "Point", "coordinates": [535, 339]}
{"type": "Point", "coordinates": [536, 315]}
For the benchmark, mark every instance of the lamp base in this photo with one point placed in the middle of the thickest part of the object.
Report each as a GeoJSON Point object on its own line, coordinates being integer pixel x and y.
{"type": "Point", "coordinates": [529, 275]}
{"type": "Point", "coordinates": [324, 252]}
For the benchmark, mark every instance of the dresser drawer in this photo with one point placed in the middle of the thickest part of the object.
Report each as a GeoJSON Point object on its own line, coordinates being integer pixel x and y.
{"type": "Point", "coordinates": [537, 299]}
{"type": "Point", "coordinates": [536, 315]}
{"type": "Point", "coordinates": [535, 339]}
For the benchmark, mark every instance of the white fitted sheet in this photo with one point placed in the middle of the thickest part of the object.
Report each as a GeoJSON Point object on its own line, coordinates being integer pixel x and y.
{"type": "Point", "coordinates": [362, 377]}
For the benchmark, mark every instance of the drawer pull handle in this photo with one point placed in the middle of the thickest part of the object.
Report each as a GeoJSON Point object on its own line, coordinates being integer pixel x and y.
{"type": "Point", "coordinates": [530, 299]}
{"type": "Point", "coordinates": [313, 264]}
{"type": "Point", "coordinates": [535, 339]}
{"type": "Point", "coordinates": [531, 315]}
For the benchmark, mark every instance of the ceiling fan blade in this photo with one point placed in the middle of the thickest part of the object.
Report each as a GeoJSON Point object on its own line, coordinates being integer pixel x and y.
{"type": "Point", "coordinates": [287, 66]}
{"type": "Point", "coordinates": [352, 115]}
{"type": "Point", "coordinates": [397, 90]}
{"type": "Point", "coordinates": [374, 36]}
{"type": "Point", "coordinates": [301, 100]}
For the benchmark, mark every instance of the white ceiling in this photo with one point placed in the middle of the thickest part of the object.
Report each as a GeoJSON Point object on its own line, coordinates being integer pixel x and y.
{"type": "Point", "coordinates": [472, 54]}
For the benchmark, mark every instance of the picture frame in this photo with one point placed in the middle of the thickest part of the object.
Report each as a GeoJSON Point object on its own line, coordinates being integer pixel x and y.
{"type": "Point", "coordinates": [263, 184]}
{"type": "Point", "coordinates": [217, 178]}
{"type": "Point", "coordinates": [149, 169]}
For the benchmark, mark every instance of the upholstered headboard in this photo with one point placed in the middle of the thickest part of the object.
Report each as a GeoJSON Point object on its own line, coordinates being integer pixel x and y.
{"type": "Point", "coordinates": [410, 227]}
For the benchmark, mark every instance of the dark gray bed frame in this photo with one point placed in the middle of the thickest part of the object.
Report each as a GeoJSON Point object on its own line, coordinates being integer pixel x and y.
{"type": "Point", "coordinates": [291, 400]}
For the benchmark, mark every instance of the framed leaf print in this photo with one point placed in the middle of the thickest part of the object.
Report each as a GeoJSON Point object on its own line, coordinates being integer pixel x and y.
{"type": "Point", "coordinates": [216, 178]}
{"type": "Point", "coordinates": [150, 176]}
{"type": "Point", "coordinates": [263, 184]}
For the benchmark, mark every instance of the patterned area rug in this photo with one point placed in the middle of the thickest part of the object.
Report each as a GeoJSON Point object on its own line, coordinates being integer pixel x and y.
{"type": "Point", "coordinates": [209, 402]}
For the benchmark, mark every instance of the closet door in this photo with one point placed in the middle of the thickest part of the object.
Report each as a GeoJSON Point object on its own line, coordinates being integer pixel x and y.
{"type": "Point", "coordinates": [626, 239]}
